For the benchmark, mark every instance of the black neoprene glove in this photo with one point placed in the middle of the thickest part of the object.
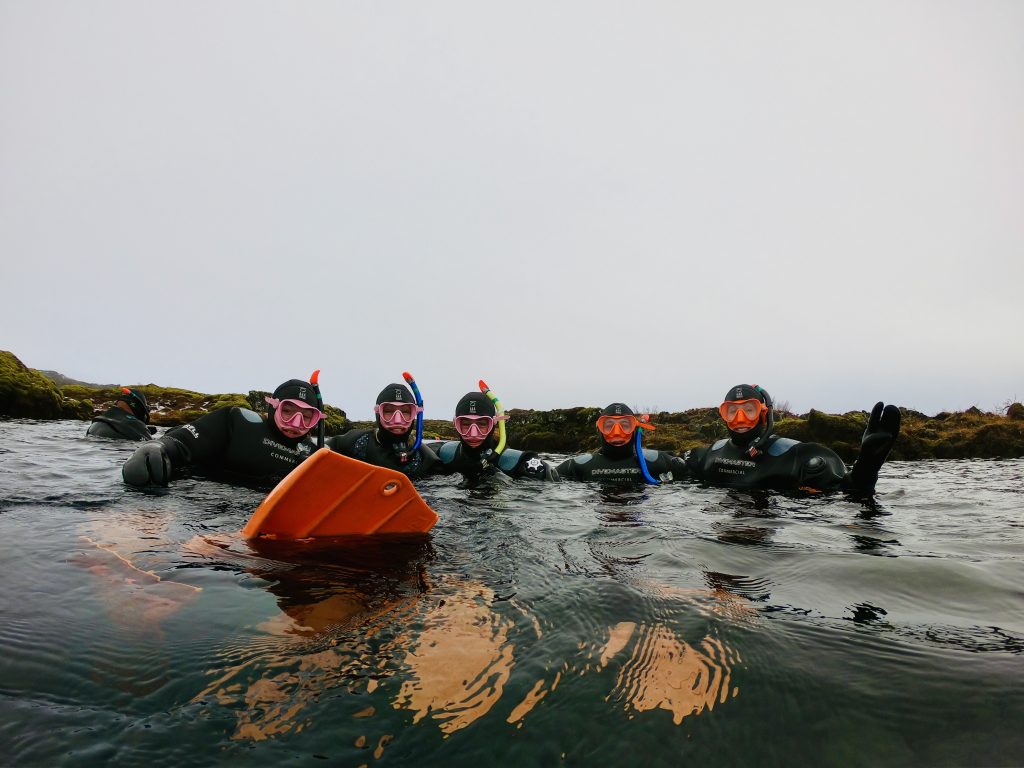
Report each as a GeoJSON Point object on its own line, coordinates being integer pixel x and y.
{"type": "Point", "coordinates": [149, 465]}
{"type": "Point", "coordinates": [882, 430]}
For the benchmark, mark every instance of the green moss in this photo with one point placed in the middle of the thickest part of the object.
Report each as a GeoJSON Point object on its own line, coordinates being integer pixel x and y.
{"type": "Point", "coordinates": [967, 434]}
{"type": "Point", "coordinates": [26, 393]}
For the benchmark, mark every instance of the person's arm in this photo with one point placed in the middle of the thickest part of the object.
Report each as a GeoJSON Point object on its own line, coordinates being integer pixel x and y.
{"type": "Point", "coordinates": [567, 470]}
{"type": "Point", "coordinates": [430, 464]}
{"type": "Point", "coordinates": [815, 467]}
{"type": "Point", "coordinates": [879, 437]}
{"type": "Point", "coordinates": [528, 464]}
{"type": "Point", "coordinates": [666, 467]}
{"type": "Point", "coordinates": [344, 444]}
{"type": "Point", "coordinates": [200, 442]}
{"type": "Point", "coordinates": [693, 463]}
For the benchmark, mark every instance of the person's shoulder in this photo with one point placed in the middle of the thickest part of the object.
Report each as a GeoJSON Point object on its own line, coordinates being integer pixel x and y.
{"type": "Point", "coordinates": [578, 460]}
{"type": "Point", "coordinates": [242, 414]}
{"type": "Point", "coordinates": [782, 445]}
{"type": "Point", "coordinates": [446, 451]}
{"type": "Point", "coordinates": [571, 466]}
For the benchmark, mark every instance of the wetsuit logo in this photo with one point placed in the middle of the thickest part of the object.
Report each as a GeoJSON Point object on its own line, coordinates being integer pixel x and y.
{"type": "Point", "coordinates": [472, 406]}
{"type": "Point", "coordinates": [302, 393]}
{"type": "Point", "coordinates": [398, 396]}
{"type": "Point", "coordinates": [618, 410]}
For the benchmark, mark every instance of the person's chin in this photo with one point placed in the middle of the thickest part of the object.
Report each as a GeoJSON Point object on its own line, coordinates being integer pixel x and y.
{"type": "Point", "coordinates": [397, 432]}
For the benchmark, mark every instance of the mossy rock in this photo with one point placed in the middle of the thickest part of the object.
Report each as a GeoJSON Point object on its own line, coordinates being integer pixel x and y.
{"type": "Point", "coordinates": [1002, 441]}
{"type": "Point", "coordinates": [27, 394]}
{"type": "Point", "coordinates": [81, 410]}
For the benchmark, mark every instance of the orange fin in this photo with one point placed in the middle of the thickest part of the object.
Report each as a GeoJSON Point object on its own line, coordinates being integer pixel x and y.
{"type": "Point", "coordinates": [332, 495]}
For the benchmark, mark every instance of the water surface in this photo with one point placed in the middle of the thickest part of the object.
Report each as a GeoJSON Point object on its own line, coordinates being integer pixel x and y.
{"type": "Point", "coordinates": [540, 624]}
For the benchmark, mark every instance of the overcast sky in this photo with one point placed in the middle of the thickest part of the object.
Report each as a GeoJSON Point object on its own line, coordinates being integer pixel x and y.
{"type": "Point", "coordinates": [580, 202]}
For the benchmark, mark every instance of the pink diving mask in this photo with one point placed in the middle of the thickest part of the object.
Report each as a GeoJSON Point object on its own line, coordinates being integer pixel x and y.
{"type": "Point", "coordinates": [294, 417]}
{"type": "Point", "coordinates": [397, 418]}
{"type": "Point", "coordinates": [475, 429]}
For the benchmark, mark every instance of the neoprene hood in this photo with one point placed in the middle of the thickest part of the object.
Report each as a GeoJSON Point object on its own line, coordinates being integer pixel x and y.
{"type": "Point", "coordinates": [475, 404]}
{"type": "Point", "coordinates": [617, 409]}
{"type": "Point", "coordinates": [296, 389]}
{"type": "Point", "coordinates": [136, 400]}
{"type": "Point", "coordinates": [763, 430]}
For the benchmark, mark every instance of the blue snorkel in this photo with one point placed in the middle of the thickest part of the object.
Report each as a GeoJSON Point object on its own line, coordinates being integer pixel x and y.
{"type": "Point", "coordinates": [641, 426]}
{"type": "Point", "coordinates": [419, 404]}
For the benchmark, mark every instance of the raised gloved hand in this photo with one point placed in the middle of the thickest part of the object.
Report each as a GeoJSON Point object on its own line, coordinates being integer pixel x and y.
{"type": "Point", "coordinates": [882, 430]}
{"type": "Point", "coordinates": [149, 465]}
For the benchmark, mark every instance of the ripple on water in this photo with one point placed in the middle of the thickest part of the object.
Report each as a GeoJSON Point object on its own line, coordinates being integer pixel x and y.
{"type": "Point", "coordinates": [680, 623]}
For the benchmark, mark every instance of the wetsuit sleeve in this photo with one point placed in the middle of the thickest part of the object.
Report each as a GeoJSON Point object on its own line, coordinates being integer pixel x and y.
{"type": "Point", "coordinates": [431, 464]}
{"type": "Point", "coordinates": [204, 441]}
{"type": "Point", "coordinates": [344, 444]}
{"type": "Point", "coordinates": [693, 461]}
{"type": "Point", "coordinates": [566, 470]}
{"type": "Point", "coordinates": [527, 464]}
{"type": "Point", "coordinates": [667, 467]}
{"type": "Point", "coordinates": [818, 467]}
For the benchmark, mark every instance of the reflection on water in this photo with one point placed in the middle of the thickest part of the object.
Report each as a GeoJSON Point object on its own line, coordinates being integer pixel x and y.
{"type": "Point", "coordinates": [459, 662]}
{"type": "Point", "coordinates": [136, 599]}
{"type": "Point", "coordinates": [542, 623]}
{"type": "Point", "coordinates": [664, 672]}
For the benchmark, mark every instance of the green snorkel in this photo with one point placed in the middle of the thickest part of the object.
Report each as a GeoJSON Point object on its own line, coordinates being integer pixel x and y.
{"type": "Point", "coordinates": [501, 413]}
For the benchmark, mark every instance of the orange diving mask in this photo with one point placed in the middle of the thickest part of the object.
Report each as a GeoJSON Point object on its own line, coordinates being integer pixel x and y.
{"type": "Point", "coordinates": [742, 413]}
{"type": "Point", "coordinates": [617, 430]}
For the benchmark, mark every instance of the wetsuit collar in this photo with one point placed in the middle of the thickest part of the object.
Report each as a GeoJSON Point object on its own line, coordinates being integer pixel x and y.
{"type": "Point", "coordinates": [616, 452]}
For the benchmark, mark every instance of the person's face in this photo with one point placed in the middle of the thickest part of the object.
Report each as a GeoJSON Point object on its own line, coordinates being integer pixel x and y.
{"type": "Point", "coordinates": [742, 415]}
{"type": "Point", "coordinates": [396, 418]}
{"type": "Point", "coordinates": [474, 430]}
{"type": "Point", "coordinates": [294, 418]}
{"type": "Point", "coordinates": [617, 430]}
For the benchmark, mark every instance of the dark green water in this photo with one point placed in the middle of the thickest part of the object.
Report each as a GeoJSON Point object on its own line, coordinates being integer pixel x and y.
{"type": "Point", "coordinates": [539, 625]}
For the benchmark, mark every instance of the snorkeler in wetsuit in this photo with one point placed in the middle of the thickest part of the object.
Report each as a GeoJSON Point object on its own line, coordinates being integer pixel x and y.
{"type": "Point", "coordinates": [391, 443]}
{"type": "Point", "coordinates": [126, 419]}
{"type": "Point", "coordinates": [616, 461]}
{"type": "Point", "coordinates": [234, 444]}
{"type": "Point", "coordinates": [752, 457]}
{"type": "Point", "coordinates": [474, 455]}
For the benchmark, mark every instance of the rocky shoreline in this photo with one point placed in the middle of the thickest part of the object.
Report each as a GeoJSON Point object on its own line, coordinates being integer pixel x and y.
{"type": "Point", "coordinates": [971, 434]}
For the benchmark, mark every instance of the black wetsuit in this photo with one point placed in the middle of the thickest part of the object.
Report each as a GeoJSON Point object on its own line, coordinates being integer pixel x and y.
{"type": "Point", "coordinates": [473, 464]}
{"type": "Point", "coordinates": [781, 464]}
{"type": "Point", "coordinates": [232, 444]}
{"type": "Point", "coordinates": [117, 424]}
{"type": "Point", "coordinates": [619, 464]}
{"type": "Point", "coordinates": [366, 445]}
